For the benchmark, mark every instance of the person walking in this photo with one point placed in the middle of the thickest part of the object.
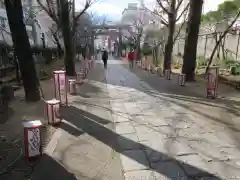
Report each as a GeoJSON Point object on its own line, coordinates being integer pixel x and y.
{"type": "Point", "coordinates": [131, 58]}
{"type": "Point", "coordinates": [105, 58]}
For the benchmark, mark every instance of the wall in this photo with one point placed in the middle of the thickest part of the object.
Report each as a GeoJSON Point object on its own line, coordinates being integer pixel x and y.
{"type": "Point", "coordinates": [230, 45]}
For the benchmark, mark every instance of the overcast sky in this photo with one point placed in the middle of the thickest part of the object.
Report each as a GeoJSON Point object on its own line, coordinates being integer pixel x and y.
{"type": "Point", "coordinates": [114, 8]}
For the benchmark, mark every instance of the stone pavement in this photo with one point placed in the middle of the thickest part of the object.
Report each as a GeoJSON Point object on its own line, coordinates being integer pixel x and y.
{"type": "Point", "coordinates": [161, 138]}
{"type": "Point", "coordinates": [79, 149]}
{"type": "Point", "coordinates": [118, 127]}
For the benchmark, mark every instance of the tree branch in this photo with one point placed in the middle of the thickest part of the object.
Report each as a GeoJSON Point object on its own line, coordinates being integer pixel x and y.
{"type": "Point", "coordinates": [179, 4]}
{"type": "Point", "coordinates": [220, 39]}
{"type": "Point", "coordinates": [49, 11]}
{"type": "Point", "coordinates": [182, 13]}
{"type": "Point", "coordinates": [88, 3]}
{"type": "Point", "coordinates": [178, 32]}
{"type": "Point", "coordinates": [161, 5]}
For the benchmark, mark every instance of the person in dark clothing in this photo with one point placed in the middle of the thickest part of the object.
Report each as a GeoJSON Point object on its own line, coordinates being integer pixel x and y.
{"type": "Point", "coordinates": [105, 58]}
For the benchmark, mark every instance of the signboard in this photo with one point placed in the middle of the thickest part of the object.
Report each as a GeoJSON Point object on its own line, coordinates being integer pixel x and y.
{"type": "Point", "coordinates": [212, 81]}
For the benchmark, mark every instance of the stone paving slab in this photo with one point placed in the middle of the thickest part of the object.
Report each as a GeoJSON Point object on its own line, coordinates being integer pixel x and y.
{"type": "Point", "coordinates": [176, 131]}
{"type": "Point", "coordinates": [140, 175]}
{"type": "Point", "coordinates": [169, 171]}
{"type": "Point", "coordinates": [129, 145]}
{"type": "Point", "coordinates": [124, 128]}
{"type": "Point", "coordinates": [134, 160]}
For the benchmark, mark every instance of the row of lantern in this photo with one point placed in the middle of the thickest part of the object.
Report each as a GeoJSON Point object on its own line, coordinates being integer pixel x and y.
{"type": "Point", "coordinates": [167, 73]}
{"type": "Point", "coordinates": [212, 77]}
{"type": "Point", "coordinates": [32, 129]}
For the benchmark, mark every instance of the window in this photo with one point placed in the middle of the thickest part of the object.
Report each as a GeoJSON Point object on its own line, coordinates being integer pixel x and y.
{"type": "Point", "coordinates": [2, 22]}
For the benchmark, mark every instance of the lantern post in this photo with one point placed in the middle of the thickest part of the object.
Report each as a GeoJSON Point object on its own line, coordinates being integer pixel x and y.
{"type": "Point", "coordinates": [32, 138]}
{"type": "Point", "coordinates": [168, 74]}
{"type": "Point", "coordinates": [181, 79]}
{"type": "Point", "coordinates": [60, 87]}
{"type": "Point", "coordinates": [212, 81]}
{"type": "Point", "coordinates": [72, 86]}
{"type": "Point", "coordinates": [53, 112]}
{"type": "Point", "coordinates": [80, 76]}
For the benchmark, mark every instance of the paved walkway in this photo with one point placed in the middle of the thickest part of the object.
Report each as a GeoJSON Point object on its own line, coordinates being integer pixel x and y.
{"type": "Point", "coordinates": [162, 139]}
{"type": "Point", "coordinates": [118, 127]}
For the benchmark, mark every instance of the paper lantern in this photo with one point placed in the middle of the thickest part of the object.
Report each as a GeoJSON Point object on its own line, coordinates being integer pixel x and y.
{"type": "Point", "coordinates": [72, 86]}
{"type": "Point", "coordinates": [60, 87]}
{"type": "Point", "coordinates": [80, 76]}
{"type": "Point", "coordinates": [53, 112]}
{"type": "Point", "coordinates": [212, 81]}
{"type": "Point", "coordinates": [90, 64]}
{"type": "Point", "coordinates": [168, 74]}
{"type": "Point", "coordinates": [181, 79]}
{"type": "Point", "coordinates": [32, 138]}
{"type": "Point", "coordinates": [159, 72]}
{"type": "Point", "coordinates": [149, 68]}
{"type": "Point", "coordinates": [86, 67]}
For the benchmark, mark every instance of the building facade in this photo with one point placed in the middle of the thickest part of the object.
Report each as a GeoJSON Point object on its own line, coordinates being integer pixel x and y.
{"type": "Point", "coordinates": [38, 27]}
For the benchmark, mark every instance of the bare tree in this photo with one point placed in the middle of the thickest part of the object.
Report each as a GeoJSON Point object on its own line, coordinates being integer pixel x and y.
{"type": "Point", "coordinates": [221, 38]}
{"type": "Point", "coordinates": [136, 32]}
{"type": "Point", "coordinates": [171, 9]}
{"type": "Point", "coordinates": [23, 49]}
{"type": "Point", "coordinates": [191, 41]}
{"type": "Point", "coordinates": [60, 12]}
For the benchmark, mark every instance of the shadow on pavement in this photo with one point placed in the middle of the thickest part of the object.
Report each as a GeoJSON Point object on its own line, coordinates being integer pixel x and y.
{"type": "Point", "coordinates": [98, 128]}
{"type": "Point", "coordinates": [49, 169]}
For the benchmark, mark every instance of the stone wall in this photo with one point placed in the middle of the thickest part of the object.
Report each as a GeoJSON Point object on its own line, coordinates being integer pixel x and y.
{"type": "Point", "coordinates": [230, 45]}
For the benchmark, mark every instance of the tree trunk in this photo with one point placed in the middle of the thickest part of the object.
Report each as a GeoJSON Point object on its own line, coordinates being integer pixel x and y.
{"type": "Point", "coordinates": [23, 49]}
{"type": "Point", "coordinates": [55, 36]}
{"type": "Point", "coordinates": [171, 29]}
{"type": "Point", "coordinates": [138, 47]}
{"type": "Point", "coordinates": [190, 49]}
{"type": "Point", "coordinates": [18, 77]}
{"type": "Point", "coordinates": [68, 39]}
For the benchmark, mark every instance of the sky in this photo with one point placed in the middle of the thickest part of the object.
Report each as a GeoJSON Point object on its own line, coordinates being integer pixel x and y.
{"type": "Point", "coordinates": [113, 8]}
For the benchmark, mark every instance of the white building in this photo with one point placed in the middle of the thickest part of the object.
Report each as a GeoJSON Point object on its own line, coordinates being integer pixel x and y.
{"type": "Point", "coordinates": [139, 16]}
{"type": "Point", "coordinates": [42, 23]}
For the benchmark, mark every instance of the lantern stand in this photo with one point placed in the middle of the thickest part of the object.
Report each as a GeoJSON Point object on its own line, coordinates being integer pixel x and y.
{"type": "Point", "coordinates": [60, 87]}
{"type": "Point", "coordinates": [32, 138]}
{"type": "Point", "coordinates": [72, 86]}
{"type": "Point", "coordinates": [212, 82]}
{"type": "Point", "coordinates": [181, 79]}
{"type": "Point", "coordinates": [160, 72]}
{"type": "Point", "coordinates": [86, 67]}
{"type": "Point", "coordinates": [53, 112]}
{"type": "Point", "coordinates": [149, 68]}
{"type": "Point", "coordinates": [168, 74]}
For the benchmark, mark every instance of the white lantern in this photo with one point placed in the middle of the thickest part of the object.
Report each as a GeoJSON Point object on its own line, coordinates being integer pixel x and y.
{"type": "Point", "coordinates": [53, 112]}
{"type": "Point", "coordinates": [86, 66]}
{"type": "Point", "coordinates": [212, 81]}
{"type": "Point", "coordinates": [32, 138]}
{"type": "Point", "coordinates": [80, 76]}
{"type": "Point", "coordinates": [181, 79]}
{"type": "Point", "coordinates": [60, 88]}
{"type": "Point", "coordinates": [149, 68]}
{"type": "Point", "coordinates": [160, 72]}
{"type": "Point", "coordinates": [72, 86]}
{"type": "Point", "coordinates": [168, 74]}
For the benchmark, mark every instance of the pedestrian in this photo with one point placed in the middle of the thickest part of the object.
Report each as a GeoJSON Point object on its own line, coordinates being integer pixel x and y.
{"type": "Point", "coordinates": [131, 58]}
{"type": "Point", "coordinates": [105, 58]}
